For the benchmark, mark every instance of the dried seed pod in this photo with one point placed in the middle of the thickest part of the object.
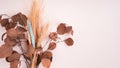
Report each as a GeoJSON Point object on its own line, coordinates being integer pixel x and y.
{"type": "Point", "coordinates": [46, 62]}
{"type": "Point", "coordinates": [52, 46]}
{"type": "Point", "coordinates": [69, 41]}
{"type": "Point", "coordinates": [4, 22]}
{"type": "Point", "coordinates": [46, 54]}
{"type": "Point", "coordinates": [14, 64]}
{"type": "Point", "coordinates": [13, 56]}
{"type": "Point", "coordinates": [53, 36]}
{"type": "Point", "coordinates": [69, 29]}
{"type": "Point", "coordinates": [5, 50]}
{"type": "Point", "coordinates": [61, 29]}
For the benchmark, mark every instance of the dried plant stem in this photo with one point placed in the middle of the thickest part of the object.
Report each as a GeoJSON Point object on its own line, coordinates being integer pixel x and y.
{"type": "Point", "coordinates": [34, 60]}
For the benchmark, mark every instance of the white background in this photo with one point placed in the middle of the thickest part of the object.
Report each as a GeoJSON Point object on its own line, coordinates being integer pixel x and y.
{"type": "Point", "coordinates": [96, 25]}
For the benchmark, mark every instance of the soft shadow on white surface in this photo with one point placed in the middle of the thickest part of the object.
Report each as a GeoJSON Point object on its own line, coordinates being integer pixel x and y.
{"type": "Point", "coordinates": [96, 26]}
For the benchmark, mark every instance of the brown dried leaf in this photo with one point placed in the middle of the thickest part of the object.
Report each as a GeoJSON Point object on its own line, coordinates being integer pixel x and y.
{"type": "Point", "coordinates": [12, 33]}
{"type": "Point", "coordinates": [12, 24]}
{"type": "Point", "coordinates": [69, 41]}
{"type": "Point", "coordinates": [21, 36]}
{"type": "Point", "coordinates": [14, 64]}
{"type": "Point", "coordinates": [69, 29]}
{"type": "Point", "coordinates": [46, 62]}
{"type": "Point", "coordinates": [14, 56]}
{"type": "Point", "coordinates": [30, 51]}
{"type": "Point", "coordinates": [5, 51]}
{"type": "Point", "coordinates": [22, 19]}
{"type": "Point", "coordinates": [10, 42]}
{"type": "Point", "coordinates": [46, 54]}
{"type": "Point", "coordinates": [7, 26]}
{"type": "Point", "coordinates": [53, 36]}
{"type": "Point", "coordinates": [61, 29]}
{"type": "Point", "coordinates": [4, 22]}
{"type": "Point", "coordinates": [21, 29]}
{"type": "Point", "coordinates": [52, 46]}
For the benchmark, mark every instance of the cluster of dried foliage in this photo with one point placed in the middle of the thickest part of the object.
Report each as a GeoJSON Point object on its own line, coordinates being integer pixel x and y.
{"type": "Point", "coordinates": [17, 35]}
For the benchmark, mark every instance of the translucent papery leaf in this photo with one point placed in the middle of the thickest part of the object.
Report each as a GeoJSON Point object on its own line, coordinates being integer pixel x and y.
{"type": "Point", "coordinates": [69, 41]}
{"type": "Point", "coordinates": [61, 29]}
{"type": "Point", "coordinates": [5, 51]}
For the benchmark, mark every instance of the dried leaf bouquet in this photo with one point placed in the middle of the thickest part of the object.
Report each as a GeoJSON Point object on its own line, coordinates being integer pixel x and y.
{"type": "Point", "coordinates": [24, 35]}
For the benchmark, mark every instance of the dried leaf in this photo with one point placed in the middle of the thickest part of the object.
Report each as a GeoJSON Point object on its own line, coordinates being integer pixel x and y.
{"type": "Point", "coordinates": [5, 51]}
{"type": "Point", "coordinates": [21, 36]}
{"type": "Point", "coordinates": [30, 51]}
{"type": "Point", "coordinates": [46, 62]}
{"type": "Point", "coordinates": [10, 42]}
{"type": "Point", "coordinates": [52, 46]}
{"type": "Point", "coordinates": [21, 29]}
{"type": "Point", "coordinates": [69, 29]}
{"type": "Point", "coordinates": [14, 56]}
{"type": "Point", "coordinates": [12, 33]}
{"type": "Point", "coordinates": [7, 26]}
{"type": "Point", "coordinates": [4, 22]}
{"type": "Point", "coordinates": [14, 64]}
{"type": "Point", "coordinates": [53, 36]}
{"type": "Point", "coordinates": [46, 54]}
{"type": "Point", "coordinates": [69, 41]}
{"type": "Point", "coordinates": [22, 19]}
{"type": "Point", "coordinates": [12, 24]}
{"type": "Point", "coordinates": [24, 46]}
{"type": "Point", "coordinates": [61, 29]}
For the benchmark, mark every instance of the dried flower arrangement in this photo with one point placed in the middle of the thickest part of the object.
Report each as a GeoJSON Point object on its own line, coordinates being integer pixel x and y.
{"type": "Point", "coordinates": [28, 33]}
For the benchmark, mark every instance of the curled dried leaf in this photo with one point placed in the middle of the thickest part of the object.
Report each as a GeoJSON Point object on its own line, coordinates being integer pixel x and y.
{"type": "Point", "coordinates": [53, 36]}
{"type": "Point", "coordinates": [14, 64]}
{"type": "Point", "coordinates": [52, 46]}
{"type": "Point", "coordinates": [5, 50]}
{"type": "Point", "coordinates": [61, 29]}
{"type": "Point", "coordinates": [69, 41]}
{"type": "Point", "coordinates": [4, 22]}
{"type": "Point", "coordinates": [14, 56]}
